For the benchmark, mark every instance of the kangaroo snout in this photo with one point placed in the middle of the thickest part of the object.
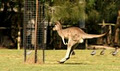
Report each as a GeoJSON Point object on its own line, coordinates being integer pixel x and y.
{"type": "Point", "coordinates": [54, 29]}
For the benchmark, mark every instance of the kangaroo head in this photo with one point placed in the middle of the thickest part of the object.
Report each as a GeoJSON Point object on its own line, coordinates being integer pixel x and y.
{"type": "Point", "coordinates": [57, 26]}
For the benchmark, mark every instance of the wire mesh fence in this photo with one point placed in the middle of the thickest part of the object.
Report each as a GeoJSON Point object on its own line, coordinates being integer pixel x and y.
{"type": "Point", "coordinates": [34, 38]}
{"type": "Point", "coordinates": [29, 24]}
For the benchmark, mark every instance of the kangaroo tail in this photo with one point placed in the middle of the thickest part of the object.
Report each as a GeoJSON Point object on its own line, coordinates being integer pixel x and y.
{"type": "Point", "coordinates": [89, 36]}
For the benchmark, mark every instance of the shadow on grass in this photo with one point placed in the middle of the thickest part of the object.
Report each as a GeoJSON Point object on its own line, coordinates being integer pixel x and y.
{"type": "Point", "coordinates": [70, 63]}
{"type": "Point", "coordinates": [77, 63]}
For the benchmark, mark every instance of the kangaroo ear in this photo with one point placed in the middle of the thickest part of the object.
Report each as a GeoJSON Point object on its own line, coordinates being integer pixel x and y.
{"type": "Point", "coordinates": [57, 22]}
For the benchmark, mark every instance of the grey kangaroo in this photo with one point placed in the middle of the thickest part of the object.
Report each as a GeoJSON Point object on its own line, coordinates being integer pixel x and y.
{"type": "Point", "coordinates": [74, 35]}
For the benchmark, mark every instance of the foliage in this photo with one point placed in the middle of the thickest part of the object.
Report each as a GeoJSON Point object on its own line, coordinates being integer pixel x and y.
{"type": "Point", "coordinates": [67, 10]}
{"type": "Point", "coordinates": [99, 10]}
{"type": "Point", "coordinates": [93, 11]}
{"type": "Point", "coordinates": [106, 9]}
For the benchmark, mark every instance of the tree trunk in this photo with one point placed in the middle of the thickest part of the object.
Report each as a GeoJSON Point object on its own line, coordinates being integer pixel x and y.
{"type": "Point", "coordinates": [117, 30]}
{"type": "Point", "coordinates": [117, 36]}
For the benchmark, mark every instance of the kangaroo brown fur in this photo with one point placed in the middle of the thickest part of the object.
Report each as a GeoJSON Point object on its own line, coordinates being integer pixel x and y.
{"type": "Point", "coordinates": [74, 35]}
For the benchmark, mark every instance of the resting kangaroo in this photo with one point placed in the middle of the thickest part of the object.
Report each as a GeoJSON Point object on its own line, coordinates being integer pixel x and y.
{"type": "Point", "coordinates": [74, 35]}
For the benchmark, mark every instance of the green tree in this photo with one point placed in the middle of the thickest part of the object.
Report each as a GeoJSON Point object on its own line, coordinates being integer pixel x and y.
{"type": "Point", "coordinates": [67, 10]}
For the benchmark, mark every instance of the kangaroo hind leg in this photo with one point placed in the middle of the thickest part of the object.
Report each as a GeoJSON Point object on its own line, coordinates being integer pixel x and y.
{"type": "Point", "coordinates": [69, 51]}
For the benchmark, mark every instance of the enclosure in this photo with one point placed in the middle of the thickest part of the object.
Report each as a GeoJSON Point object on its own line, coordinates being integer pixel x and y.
{"type": "Point", "coordinates": [27, 25]}
{"type": "Point", "coordinates": [35, 27]}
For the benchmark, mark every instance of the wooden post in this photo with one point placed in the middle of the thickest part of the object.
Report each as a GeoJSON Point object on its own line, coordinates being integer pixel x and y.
{"type": "Point", "coordinates": [24, 35]}
{"type": "Point", "coordinates": [45, 32]}
{"type": "Point", "coordinates": [45, 39]}
{"type": "Point", "coordinates": [86, 43]}
{"type": "Point", "coordinates": [36, 23]}
{"type": "Point", "coordinates": [18, 40]}
{"type": "Point", "coordinates": [117, 30]}
{"type": "Point", "coordinates": [109, 35]}
{"type": "Point", "coordinates": [102, 40]}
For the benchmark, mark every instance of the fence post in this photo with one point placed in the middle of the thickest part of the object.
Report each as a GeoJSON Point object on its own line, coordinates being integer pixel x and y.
{"type": "Point", "coordinates": [36, 31]}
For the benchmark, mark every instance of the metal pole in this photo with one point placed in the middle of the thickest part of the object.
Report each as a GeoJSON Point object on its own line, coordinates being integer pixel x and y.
{"type": "Point", "coordinates": [24, 35]}
{"type": "Point", "coordinates": [36, 31]}
{"type": "Point", "coordinates": [24, 43]}
{"type": "Point", "coordinates": [44, 33]}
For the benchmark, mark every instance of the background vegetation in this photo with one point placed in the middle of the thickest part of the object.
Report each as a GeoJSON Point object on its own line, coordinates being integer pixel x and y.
{"type": "Point", "coordinates": [69, 12]}
{"type": "Point", "coordinates": [88, 12]}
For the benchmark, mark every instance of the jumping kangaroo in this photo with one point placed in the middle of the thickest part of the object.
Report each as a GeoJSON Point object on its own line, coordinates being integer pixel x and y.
{"type": "Point", "coordinates": [74, 35]}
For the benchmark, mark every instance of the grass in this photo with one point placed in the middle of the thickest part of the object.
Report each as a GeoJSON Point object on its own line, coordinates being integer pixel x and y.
{"type": "Point", "coordinates": [12, 60]}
